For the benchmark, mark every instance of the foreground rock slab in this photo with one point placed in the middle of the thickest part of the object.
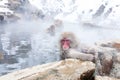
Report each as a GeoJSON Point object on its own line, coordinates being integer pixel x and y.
{"type": "Point", "coordinates": [104, 78]}
{"type": "Point", "coordinates": [70, 69]}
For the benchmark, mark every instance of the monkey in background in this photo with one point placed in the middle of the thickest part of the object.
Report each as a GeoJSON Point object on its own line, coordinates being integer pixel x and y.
{"type": "Point", "coordinates": [51, 30]}
{"type": "Point", "coordinates": [53, 27]}
{"type": "Point", "coordinates": [58, 22]}
{"type": "Point", "coordinates": [70, 48]}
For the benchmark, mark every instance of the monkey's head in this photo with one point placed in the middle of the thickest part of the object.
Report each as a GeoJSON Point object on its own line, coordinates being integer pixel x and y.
{"type": "Point", "coordinates": [58, 22]}
{"type": "Point", "coordinates": [51, 30]}
{"type": "Point", "coordinates": [65, 43]}
{"type": "Point", "coordinates": [68, 40]}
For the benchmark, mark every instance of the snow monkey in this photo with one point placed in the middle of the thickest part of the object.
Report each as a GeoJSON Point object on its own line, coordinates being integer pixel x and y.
{"type": "Point", "coordinates": [54, 27]}
{"type": "Point", "coordinates": [58, 22]}
{"type": "Point", "coordinates": [69, 47]}
{"type": "Point", "coordinates": [51, 30]}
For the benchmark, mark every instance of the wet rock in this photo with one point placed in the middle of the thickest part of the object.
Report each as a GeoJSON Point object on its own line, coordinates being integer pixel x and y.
{"type": "Point", "coordinates": [1, 56]}
{"type": "Point", "coordinates": [14, 4]}
{"type": "Point", "coordinates": [9, 59]}
{"type": "Point", "coordinates": [111, 44]}
{"type": "Point", "coordinates": [13, 17]}
{"type": "Point", "coordinates": [2, 53]}
{"type": "Point", "coordinates": [21, 42]}
{"type": "Point", "coordinates": [70, 69]}
{"type": "Point", "coordinates": [24, 48]}
{"type": "Point", "coordinates": [8, 15]}
{"type": "Point", "coordinates": [104, 44]}
{"type": "Point", "coordinates": [115, 72]}
{"type": "Point", "coordinates": [1, 18]}
{"type": "Point", "coordinates": [116, 45]}
{"type": "Point", "coordinates": [117, 57]}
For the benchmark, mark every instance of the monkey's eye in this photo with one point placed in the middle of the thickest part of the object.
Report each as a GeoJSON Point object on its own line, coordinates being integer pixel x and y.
{"type": "Point", "coordinates": [65, 41]}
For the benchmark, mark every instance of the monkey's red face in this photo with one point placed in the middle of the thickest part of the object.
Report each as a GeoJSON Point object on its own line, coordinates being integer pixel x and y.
{"type": "Point", "coordinates": [65, 43]}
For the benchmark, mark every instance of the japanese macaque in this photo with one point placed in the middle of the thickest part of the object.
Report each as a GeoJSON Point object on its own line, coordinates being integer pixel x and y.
{"type": "Point", "coordinates": [51, 30]}
{"type": "Point", "coordinates": [58, 22]}
{"type": "Point", "coordinates": [69, 47]}
{"type": "Point", "coordinates": [53, 27]}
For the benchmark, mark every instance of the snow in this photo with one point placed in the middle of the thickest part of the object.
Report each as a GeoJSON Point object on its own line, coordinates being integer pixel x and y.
{"type": "Point", "coordinates": [3, 1]}
{"type": "Point", "coordinates": [85, 5]}
{"type": "Point", "coordinates": [72, 9]}
{"type": "Point", "coordinates": [36, 3]}
{"type": "Point", "coordinates": [4, 8]}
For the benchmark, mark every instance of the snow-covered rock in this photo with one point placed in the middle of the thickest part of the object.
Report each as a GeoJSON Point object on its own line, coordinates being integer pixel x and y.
{"type": "Point", "coordinates": [80, 10]}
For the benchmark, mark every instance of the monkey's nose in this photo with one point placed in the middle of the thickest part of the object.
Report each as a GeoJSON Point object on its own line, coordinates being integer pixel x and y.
{"type": "Point", "coordinates": [65, 47]}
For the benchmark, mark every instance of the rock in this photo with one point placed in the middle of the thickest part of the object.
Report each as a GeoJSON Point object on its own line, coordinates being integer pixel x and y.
{"type": "Point", "coordinates": [69, 69]}
{"type": "Point", "coordinates": [13, 17]}
{"type": "Point", "coordinates": [115, 72]}
{"type": "Point", "coordinates": [108, 55]}
{"type": "Point", "coordinates": [1, 56]}
{"type": "Point", "coordinates": [104, 44]}
{"type": "Point", "coordinates": [1, 18]}
{"type": "Point", "coordinates": [116, 45]}
{"type": "Point", "coordinates": [105, 60]}
{"type": "Point", "coordinates": [105, 78]}
{"type": "Point", "coordinates": [9, 59]}
{"type": "Point", "coordinates": [14, 4]}
{"type": "Point", "coordinates": [117, 57]}
{"type": "Point", "coordinates": [112, 44]}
